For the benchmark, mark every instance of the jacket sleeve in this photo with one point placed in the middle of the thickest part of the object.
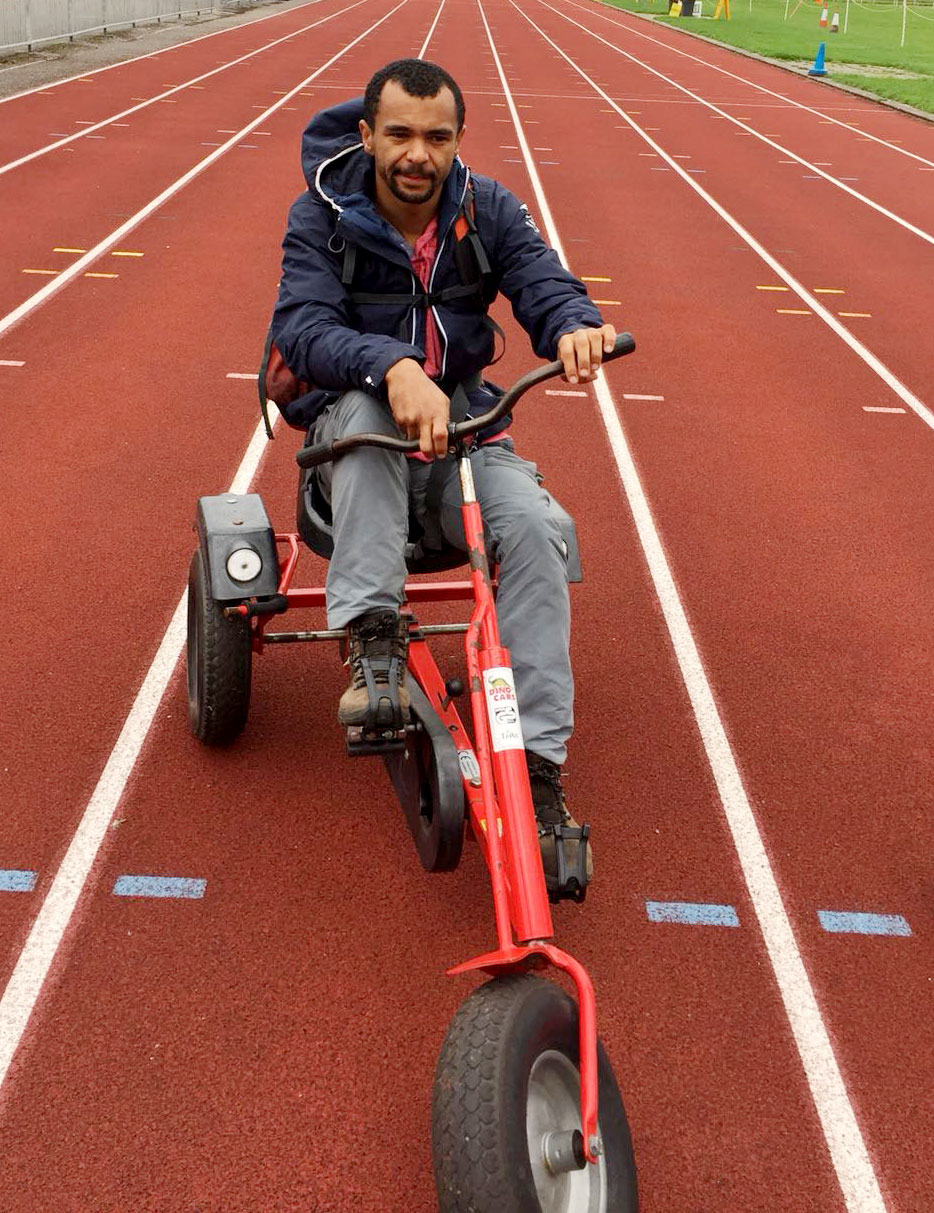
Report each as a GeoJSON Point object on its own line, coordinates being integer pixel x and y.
{"type": "Point", "coordinates": [312, 324]}
{"type": "Point", "coordinates": [547, 300]}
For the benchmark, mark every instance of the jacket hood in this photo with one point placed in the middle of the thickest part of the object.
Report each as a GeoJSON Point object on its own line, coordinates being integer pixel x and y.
{"type": "Point", "coordinates": [329, 133]}
{"type": "Point", "coordinates": [338, 171]}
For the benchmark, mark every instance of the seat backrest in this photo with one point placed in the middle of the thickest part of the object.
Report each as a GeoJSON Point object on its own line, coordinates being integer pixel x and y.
{"type": "Point", "coordinates": [314, 522]}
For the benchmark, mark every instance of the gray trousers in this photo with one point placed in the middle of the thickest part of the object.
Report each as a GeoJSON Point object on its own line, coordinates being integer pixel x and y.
{"type": "Point", "coordinates": [370, 490]}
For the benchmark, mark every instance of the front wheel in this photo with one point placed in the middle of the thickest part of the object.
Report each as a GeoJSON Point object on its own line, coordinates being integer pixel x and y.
{"type": "Point", "coordinates": [507, 1085]}
{"type": "Point", "coordinates": [219, 660]}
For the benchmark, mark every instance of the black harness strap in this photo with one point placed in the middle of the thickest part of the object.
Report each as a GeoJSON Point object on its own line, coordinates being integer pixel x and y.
{"type": "Point", "coordinates": [349, 264]}
{"type": "Point", "coordinates": [422, 300]}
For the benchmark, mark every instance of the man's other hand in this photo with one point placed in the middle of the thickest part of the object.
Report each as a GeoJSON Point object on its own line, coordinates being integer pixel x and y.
{"type": "Point", "coordinates": [419, 408]}
{"type": "Point", "coordinates": [582, 351]}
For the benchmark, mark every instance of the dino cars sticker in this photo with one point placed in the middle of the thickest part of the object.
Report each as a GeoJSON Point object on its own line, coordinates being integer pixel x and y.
{"type": "Point", "coordinates": [502, 709]}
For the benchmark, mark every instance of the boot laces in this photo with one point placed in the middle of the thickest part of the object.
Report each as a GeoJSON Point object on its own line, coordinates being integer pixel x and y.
{"type": "Point", "coordinates": [550, 809]}
{"type": "Point", "coordinates": [379, 640]}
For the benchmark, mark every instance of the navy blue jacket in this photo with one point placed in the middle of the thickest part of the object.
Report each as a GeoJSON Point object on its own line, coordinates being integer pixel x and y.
{"type": "Point", "coordinates": [336, 344]}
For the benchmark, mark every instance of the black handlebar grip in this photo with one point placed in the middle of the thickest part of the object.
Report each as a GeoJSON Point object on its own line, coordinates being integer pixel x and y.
{"type": "Point", "coordinates": [624, 344]}
{"type": "Point", "coordinates": [311, 456]}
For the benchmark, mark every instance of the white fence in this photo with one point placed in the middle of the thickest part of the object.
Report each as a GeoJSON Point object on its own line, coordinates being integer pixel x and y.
{"type": "Point", "coordinates": [28, 23]}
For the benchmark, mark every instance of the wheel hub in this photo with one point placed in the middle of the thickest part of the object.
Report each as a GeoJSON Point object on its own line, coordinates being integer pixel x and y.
{"type": "Point", "coordinates": [564, 1181]}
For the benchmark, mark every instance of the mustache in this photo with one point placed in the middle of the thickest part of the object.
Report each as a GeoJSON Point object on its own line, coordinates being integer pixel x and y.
{"type": "Point", "coordinates": [401, 172]}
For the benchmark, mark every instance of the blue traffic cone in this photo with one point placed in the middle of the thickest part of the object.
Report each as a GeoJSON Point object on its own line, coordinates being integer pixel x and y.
{"type": "Point", "coordinates": [818, 69]}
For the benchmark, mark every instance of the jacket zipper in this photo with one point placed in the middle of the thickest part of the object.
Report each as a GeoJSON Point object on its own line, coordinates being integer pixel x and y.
{"type": "Point", "coordinates": [434, 270]}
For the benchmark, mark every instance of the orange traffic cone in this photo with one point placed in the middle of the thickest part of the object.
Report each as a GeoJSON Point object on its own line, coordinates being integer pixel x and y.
{"type": "Point", "coordinates": [835, 22]}
{"type": "Point", "coordinates": [823, 18]}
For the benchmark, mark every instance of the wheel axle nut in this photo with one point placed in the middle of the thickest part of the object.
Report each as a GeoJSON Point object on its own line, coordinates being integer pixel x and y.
{"type": "Point", "coordinates": [596, 1145]}
{"type": "Point", "coordinates": [563, 1151]}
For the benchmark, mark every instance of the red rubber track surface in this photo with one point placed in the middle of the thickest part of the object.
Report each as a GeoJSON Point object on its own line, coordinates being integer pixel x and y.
{"type": "Point", "coordinates": [272, 1046]}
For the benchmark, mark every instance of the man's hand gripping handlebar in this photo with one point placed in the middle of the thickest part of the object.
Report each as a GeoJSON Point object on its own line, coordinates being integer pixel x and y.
{"type": "Point", "coordinates": [325, 452]}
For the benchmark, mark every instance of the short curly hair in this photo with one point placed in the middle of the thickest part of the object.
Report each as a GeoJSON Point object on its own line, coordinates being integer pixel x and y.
{"type": "Point", "coordinates": [419, 78]}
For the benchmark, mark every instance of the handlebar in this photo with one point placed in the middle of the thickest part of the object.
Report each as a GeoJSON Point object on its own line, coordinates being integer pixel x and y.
{"type": "Point", "coordinates": [325, 452]}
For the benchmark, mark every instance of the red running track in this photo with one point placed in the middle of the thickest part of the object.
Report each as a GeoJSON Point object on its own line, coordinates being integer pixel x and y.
{"type": "Point", "coordinates": [272, 1045]}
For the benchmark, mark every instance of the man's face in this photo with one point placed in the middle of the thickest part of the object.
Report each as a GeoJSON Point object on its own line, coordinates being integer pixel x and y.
{"type": "Point", "coordinates": [414, 141]}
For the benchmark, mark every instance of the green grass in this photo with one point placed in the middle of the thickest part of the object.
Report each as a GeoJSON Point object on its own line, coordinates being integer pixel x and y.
{"type": "Point", "coordinates": [873, 38]}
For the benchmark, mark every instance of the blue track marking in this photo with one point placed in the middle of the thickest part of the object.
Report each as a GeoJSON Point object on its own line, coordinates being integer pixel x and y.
{"type": "Point", "coordinates": [697, 914]}
{"type": "Point", "coordinates": [847, 922]}
{"type": "Point", "coordinates": [159, 886]}
{"type": "Point", "coordinates": [14, 881]}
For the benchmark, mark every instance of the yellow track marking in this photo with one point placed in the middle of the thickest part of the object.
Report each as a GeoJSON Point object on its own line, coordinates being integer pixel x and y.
{"type": "Point", "coordinates": [121, 253]}
{"type": "Point", "coordinates": [52, 272]}
{"type": "Point", "coordinates": [585, 278]}
{"type": "Point", "coordinates": [609, 302]}
{"type": "Point", "coordinates": [829, 290]}
{"type": "Point", "coordinates": [772, 288]}
{"type": "Point", "coordinates": [62, 249]}
{"type": "Point", "coordinates": [792, 311]}
{"type": "Point", "coordinates": [863, 315]}
{"type": "Point", "coordinates": [92, 274]}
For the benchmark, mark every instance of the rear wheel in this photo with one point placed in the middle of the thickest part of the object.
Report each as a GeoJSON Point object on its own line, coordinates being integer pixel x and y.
{"type": "Point", "coordinates": [507, 1102]}
{"type": "Point", "coordinates": [219, 660]}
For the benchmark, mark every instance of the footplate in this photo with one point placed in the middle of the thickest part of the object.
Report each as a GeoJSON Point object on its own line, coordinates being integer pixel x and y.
{"type": "Point", "coordinates": [570, 883]}
{"type": "Point", "coordinates": [363, 742]}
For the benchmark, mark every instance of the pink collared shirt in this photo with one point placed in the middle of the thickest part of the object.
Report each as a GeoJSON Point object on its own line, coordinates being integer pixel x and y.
{"type": "Point", "coordinates": [423, 258]}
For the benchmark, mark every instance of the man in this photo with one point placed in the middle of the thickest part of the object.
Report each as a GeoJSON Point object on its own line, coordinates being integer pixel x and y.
{"type": "Point", "coordinates": [391, 259]}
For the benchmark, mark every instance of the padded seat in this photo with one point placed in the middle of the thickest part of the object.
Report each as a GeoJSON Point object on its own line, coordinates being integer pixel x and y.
{"type": "Point", "coordinates": [313, 517]}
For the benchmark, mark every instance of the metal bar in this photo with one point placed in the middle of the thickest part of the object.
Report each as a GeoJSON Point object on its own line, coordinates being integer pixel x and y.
{"type": "Point", "coordinates": [432, 629]}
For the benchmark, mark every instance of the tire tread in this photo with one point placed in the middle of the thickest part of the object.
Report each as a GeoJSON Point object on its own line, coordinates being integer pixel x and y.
{"type": "Point", "coordinates": [223, 679]}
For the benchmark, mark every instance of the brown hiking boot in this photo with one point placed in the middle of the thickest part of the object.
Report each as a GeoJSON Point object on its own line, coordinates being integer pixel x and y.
{"type": "Point", "coordinates": [377, 698]}
{"type": "Point", "coordinates": [550, 810]}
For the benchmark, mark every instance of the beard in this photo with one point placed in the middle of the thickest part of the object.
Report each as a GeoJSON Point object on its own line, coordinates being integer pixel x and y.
{"type": "Point", "coordinates": [409, 194]}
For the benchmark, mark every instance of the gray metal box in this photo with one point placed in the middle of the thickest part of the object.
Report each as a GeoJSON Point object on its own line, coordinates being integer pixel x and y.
{"type": "Point", "coordinates": [227, 523]}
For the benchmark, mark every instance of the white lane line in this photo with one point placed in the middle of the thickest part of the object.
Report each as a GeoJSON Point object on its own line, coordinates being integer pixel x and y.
{"type": "Point", "coordinates": [635, 396]}
{"type": "Point", "coordinates": [11, 362]}
{"type": "Point", "coordinates": [554, 391]}
{"type": "Point", "coordinates": [875, 364]}
{"type": "Point", "coordinates": [847, 1149]}
{"type": "Point", "coordinates": [105, 245]}
{"type": "Point", "coordinates": [424, 47]}
{"type": "Point", "coordinates": [875, 408]}
{"type": "Point", "coordinates": [83, 76]}
{"type": "Point", "coordinates": [96, 126]}
{"type": "Point", "coordinates": [824, 118]}
{"type": "Point", "coordinates": [818, 172]}
{"type": "Point", "coordinates": [33, 964]}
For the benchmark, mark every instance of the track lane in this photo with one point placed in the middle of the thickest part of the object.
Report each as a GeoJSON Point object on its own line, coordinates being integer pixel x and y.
{"type": "Point", "coordinates": [109, 92]}
{"type": "Point", "coordinates": [805, 584]}
{"type": "Point", "coordinates": [801, 140]}
{"type": "Point", "coordinates": [867, 121]}
{"type": "Point", "coordinates": [48, 86]}
{"type": "Point", "coordinates": [668, 1034]}
{"type": "Point", "coordinates": [130, 425]}
{"type": "Point", "coordinates": [736, 171]}
{"type": "Point", "coordinates": [90, 128]}
{"type": "Point", "coordinates": [651, 772]}
{"type": "Point", "coordinates": [120, 178]}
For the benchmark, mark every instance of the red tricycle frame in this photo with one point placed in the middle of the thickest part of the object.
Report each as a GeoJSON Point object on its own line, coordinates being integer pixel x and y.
{"type": "Point", "coordinates": [500, 810]}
